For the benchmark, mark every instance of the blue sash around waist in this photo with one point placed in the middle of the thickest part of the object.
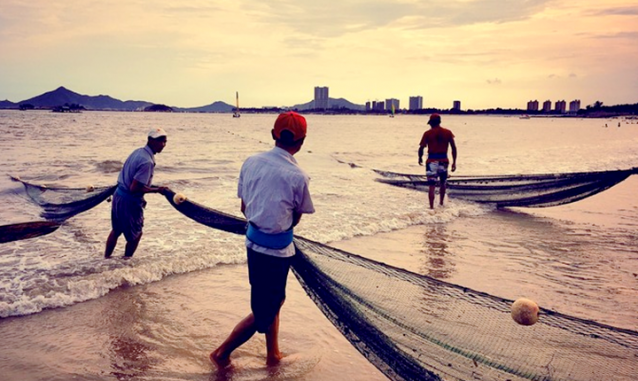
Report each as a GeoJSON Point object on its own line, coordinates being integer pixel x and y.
{"type": "Point", "coordinates": [441, 155]}
{"type": "Point", "coordinates": [272, 241]}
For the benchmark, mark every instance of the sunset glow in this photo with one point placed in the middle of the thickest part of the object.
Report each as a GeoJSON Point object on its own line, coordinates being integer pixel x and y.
{"type": "Point", "coordinates": [485, 53]}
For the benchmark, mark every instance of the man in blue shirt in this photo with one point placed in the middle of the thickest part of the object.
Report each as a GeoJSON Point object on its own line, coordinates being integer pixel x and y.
{"type": "Point", "coordinates": [134, 181]}
{"type": "Point", "coordinates": [274, 195]}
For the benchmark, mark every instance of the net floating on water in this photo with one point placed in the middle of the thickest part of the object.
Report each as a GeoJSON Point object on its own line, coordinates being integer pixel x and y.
{"type": "Point", "coordinates": [61, 203]}
{"type": "Point", "coordinates": [542, 190]}
{"type": "Point", "coordinates": [58, 204]}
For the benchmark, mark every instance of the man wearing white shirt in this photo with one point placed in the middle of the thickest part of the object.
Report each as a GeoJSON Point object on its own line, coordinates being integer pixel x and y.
{"type": "Point", "coordinates": [274, 195]}
{"type": "Point", "coordinates": [133, 182]}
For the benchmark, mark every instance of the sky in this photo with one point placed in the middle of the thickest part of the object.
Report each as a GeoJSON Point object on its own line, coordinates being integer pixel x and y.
{"type": "Point", "coordinates": [485, 53]}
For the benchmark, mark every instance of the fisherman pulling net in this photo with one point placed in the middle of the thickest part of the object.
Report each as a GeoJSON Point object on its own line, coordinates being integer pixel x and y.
{"type": "Point", "coordinates": [414, 327]}
{"type": "Point", "coordinates": [541, 190]}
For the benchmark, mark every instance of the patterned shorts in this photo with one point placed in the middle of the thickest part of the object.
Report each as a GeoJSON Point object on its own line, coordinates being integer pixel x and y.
{"type": "Point", "coordinates": [436, 170]}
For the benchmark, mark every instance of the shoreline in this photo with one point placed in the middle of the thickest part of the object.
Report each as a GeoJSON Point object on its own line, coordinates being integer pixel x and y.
{"type": "Point", "coordinates": [167, 329]}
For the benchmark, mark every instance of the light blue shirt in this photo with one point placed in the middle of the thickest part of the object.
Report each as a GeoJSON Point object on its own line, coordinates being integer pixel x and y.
{"type": "Point", "coordinates": [273, 186]}
{"type": "Point", "coordinates": [138, 166]}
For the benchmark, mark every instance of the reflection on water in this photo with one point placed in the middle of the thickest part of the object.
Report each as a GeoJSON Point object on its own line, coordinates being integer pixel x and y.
{"type": "Point", "coordinates": [438, 262]}
{"type": "Point", "coordinates": [571, 268]}
{"type": "Point", "coordinates": [129, 358]}
{"type": "Point", "coordinates": [129, 355]}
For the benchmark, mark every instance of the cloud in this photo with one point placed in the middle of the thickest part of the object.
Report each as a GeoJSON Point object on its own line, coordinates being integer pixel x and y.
{"type": "Point", "coordinates": [628, 35]}
{"type": "Point", "coordinates": [622, 11]}
{"type": "Point", "coordinates": [371, 47]}
{"type": "Point", "coordinates": [332, 18]}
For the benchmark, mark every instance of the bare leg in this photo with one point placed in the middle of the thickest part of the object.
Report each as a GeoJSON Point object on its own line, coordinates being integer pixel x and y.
{"type": "Point", "coordinates": [131, 246]}
{"type": "Point", "coordinates": [443, 188]}
{"type": "Point", "coordinates": [111, 242]}
{"type": "Point", "coordinates": [431, 196]}
{"type": "Point", "coordinates": [273, 355]}
{"type": "Point", "coordinates": [242, 332]}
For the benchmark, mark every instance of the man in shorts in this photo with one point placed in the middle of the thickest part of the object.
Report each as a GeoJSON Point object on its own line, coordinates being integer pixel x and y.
{"type": "Point", "coordinates": [134, 181]}
{"type": "Point", "coordinates": [274, 195]}
{"type": "Point", "coordinates": [437, 139]}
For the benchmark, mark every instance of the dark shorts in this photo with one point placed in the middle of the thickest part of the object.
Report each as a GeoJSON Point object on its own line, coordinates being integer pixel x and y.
{"type": "Point", "coordinates": [436, 170]}
{"type": "Point", "coordinates": [267, 275]}
{"type": "Point", "coordinates": [127, 216]}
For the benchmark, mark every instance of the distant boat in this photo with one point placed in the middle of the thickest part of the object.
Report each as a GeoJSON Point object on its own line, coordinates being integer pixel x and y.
{"type": "Point", "coordinates": [392, 111]}
{"type": "Point", "coordinates": [236, 113]}
{"type": "Point", "coordinates": [524, 116]}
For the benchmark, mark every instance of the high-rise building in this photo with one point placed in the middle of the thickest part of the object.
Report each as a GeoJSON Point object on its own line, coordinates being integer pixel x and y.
{"type": "Point", "coordinates": [574, 106]}
{"type": "Point", "coordinates": [532, 105]}
{"type": "Point", "coordinates": [368, 106]}
{"type": "Point", "coordinates": [456, 105]}
{"type": "Point", "coordinates": [560, 106]}
{"type": "Point", "coordinates": [547, 106]}
{"type": "Point", "coordinates": [321, 97]}
{"type": "Point", "coordinates": [391, 101]}
{"type": "Point", "coordinates": [416, 103]}
{"type": "Point", "coordinates": [377, 106]}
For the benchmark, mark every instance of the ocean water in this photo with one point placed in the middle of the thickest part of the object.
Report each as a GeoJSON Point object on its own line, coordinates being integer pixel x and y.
{"type": "Point", "coordinates": [580, 259]}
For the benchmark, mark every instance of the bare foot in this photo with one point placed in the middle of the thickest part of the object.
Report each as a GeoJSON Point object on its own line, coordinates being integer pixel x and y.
{"type": "Point", "coordinates": [274, 359]}
{"type": "Point", "coordinates": [220, 362]}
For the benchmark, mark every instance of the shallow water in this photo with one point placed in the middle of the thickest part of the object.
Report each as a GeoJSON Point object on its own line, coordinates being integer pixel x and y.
{"type": "Point", "coordinates": [142, 319]}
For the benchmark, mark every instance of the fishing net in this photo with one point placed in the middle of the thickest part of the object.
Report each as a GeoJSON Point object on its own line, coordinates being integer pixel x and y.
{"type": "Point", "coordinates": [60, 203]}
{"type": "Point", "coordinates": [518, 190]}
{"type": "Point", "coordinates": [414, 327]}
{"type": "Point", "coordinates": [25, 230]}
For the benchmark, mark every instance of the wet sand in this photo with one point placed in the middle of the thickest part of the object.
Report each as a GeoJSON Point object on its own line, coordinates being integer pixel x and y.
{"type": "Point", "coordinates": [166, 330]}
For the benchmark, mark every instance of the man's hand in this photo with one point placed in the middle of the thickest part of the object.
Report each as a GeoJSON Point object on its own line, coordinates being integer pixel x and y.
{"type": "Point", "coordinates": [420, 161]}
{"type": "Point", "coordinates": [453, 167]}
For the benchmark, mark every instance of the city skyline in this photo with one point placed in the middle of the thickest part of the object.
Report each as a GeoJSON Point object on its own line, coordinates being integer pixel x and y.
{"type": "Point", "coordinates": [485, 53]}
{"type": "Point", "coordinates": [63, 97]}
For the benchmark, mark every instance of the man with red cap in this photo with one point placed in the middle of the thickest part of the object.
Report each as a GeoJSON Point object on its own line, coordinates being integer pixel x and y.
{"type": "Point", "coordinates": [274, 195]}
{"type": "Point", "coordinates": [437, 139]}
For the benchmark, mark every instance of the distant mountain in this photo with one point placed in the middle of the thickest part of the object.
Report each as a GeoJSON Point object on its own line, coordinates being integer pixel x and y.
{"type": "Point", "coordinates": [333, 103]}
{"type": "Point", "coordinates": [61, 95]}
{"type": "Point", "coordinates": [213, 107]}
{"type": "Point", "coordinates": [158, 108]}
{"type": "Point", "coordinates": [8, 104]}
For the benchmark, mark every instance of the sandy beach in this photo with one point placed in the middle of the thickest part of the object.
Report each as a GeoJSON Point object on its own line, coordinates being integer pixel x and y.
{"type": "Point", "coordinates": [114, 337]}
{"type": "Point", "coordinates": [69, 314]}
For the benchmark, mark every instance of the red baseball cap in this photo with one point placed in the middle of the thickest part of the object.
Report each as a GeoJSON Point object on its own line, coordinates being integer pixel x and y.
{"type": "Point", "coordinates": [292, 122]}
